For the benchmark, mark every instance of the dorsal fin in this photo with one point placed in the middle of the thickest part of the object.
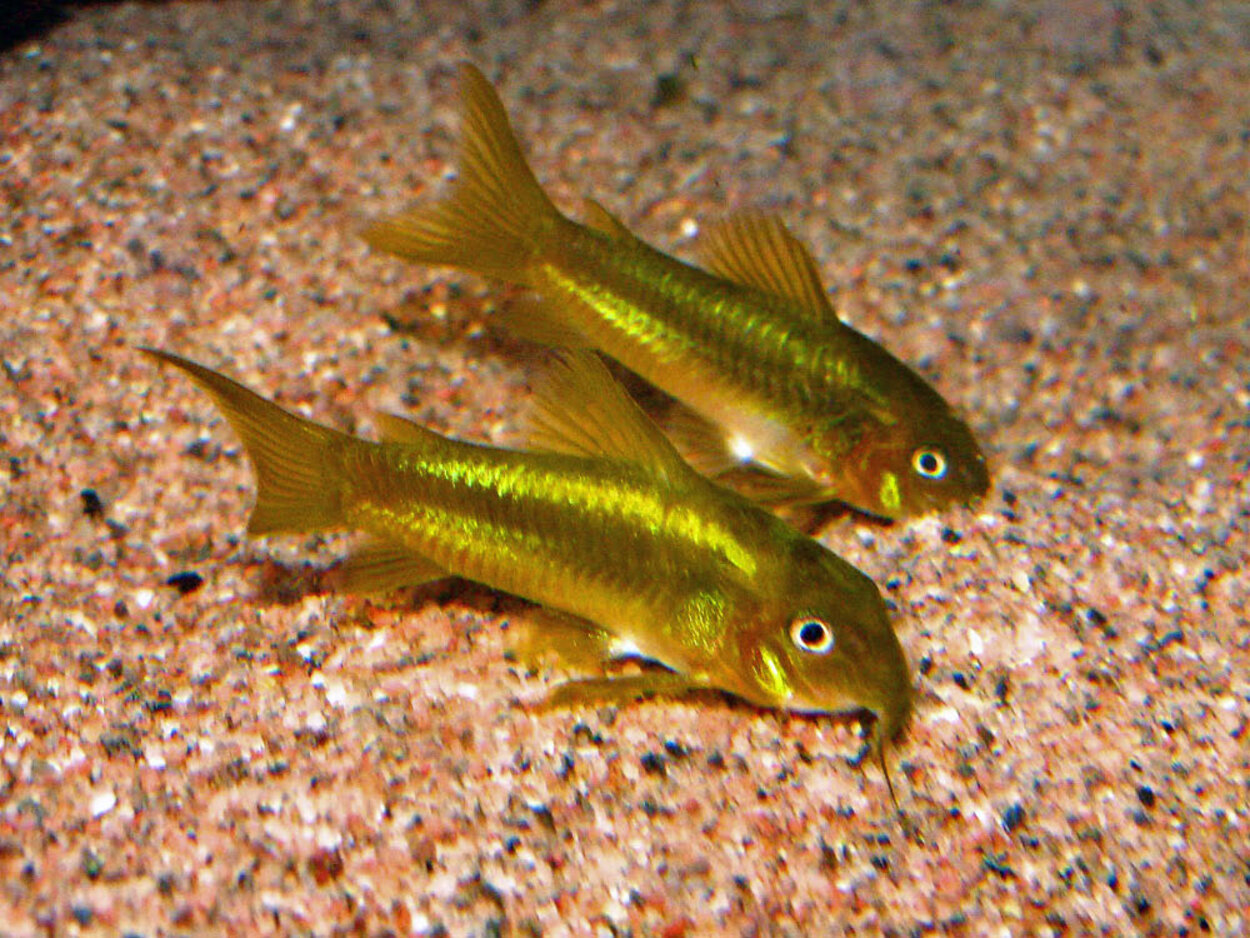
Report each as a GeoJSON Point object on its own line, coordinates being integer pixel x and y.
{"type": "Point", "coordinates": [757, 250]}
{"type": "Point", "coordinates": [393, 428]}
{"type": "Point", "coordinates": [604, 222]}
{"type": "Point", "coordinates": [580, 409]}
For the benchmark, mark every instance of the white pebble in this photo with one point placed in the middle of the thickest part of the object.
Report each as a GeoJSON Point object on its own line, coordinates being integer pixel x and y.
{"type": "Point", "coordinates": [153, 756]}
{"type": "Point", "coordinates": [102, 803]}
{"type": "Point", "coordinates": [336, 694]}
{"type": "Point", "coordinates": [290, 117]}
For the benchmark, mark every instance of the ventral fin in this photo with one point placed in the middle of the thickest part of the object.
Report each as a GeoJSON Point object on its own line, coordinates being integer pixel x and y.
{"type": "Point", "coordinates": [701, 442]}
{"type": "Point", "coordinates": [771, 490]}
{"type": "Point", "coordinates": [396, 429]}
{"type": "Point", "coordinates": [379, 566]}
{"type": "Point", "coordinates": [757, 444]}
{"type": "Point", "coordinates": [604, 222]}
{"type": "Point", "coordinates": [619, 691]}
{"type": "Point", "coordinates": [574, 642]}
{"type": "Point", "coordinates": [758, 251]}
{"type": "Point", "coordinates": [580, 409]}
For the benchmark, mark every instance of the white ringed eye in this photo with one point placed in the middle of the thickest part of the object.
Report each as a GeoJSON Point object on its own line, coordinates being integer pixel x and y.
{"type": "Point", "coordinates": [811, 634]}
{"type": "Point", "coordinates": [929, 463]}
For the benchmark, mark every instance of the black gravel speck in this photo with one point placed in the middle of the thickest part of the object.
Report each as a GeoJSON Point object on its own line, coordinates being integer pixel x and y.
{"type": "Point", "coordinates": [92, 507]}
{"type": "Point", "coordinates": [653, 763]}
{"type": "Point", "coordinates": [188, 581]}
{"type": "Point", "coordinates": [675, 749]}
{"type": "Point", "coordinates": [1013, 817]}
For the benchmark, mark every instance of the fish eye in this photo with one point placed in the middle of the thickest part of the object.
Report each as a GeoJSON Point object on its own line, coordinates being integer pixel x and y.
{"type": "Point", "coordinates": [811, 634]}
{"type": "Point", "coordinates": [929, 463]}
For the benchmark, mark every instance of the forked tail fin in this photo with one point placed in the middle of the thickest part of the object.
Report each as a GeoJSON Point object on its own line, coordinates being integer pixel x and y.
{"type": "Point", "coordinates": [496, 212]}
{"type": "Point", "coordinates": [297, 462]}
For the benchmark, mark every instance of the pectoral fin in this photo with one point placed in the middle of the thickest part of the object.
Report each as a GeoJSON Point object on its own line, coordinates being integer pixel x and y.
{"type": "Point", "coordinates": [581, 645]}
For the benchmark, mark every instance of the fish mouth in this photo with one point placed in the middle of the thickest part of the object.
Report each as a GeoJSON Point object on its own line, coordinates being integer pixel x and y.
{"type": "Point", "coordinates": [889, 704]}
{"type": "Point", "coordinates": [975, 500]}
{"type": "Point", "coordinates": [888, 709]}
{"type": "Point", "coordinates": [880, 726]}
{"type": "Point", "coordinates": [800, 702]}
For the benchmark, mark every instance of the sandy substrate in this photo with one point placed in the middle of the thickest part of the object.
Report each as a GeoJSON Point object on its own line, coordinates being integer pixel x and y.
{"type": "Point", "coordinates": [1046, 212]}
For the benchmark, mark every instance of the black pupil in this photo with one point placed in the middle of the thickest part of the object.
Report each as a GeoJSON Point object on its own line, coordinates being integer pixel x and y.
{"type": "Point", "coordinates": [928, 463]}
{"type": "Point", "coordinates": [812, 634]}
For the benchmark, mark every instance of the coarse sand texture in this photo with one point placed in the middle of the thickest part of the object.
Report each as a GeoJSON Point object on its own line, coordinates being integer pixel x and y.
{"type": "Point", "coordinates": [1042, 208]}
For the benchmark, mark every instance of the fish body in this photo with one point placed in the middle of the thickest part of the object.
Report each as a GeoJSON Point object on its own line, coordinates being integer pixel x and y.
{"type": "Point", "coordinates": [602, 523]}
{"type": "Point", "coordinates": [751, 344]}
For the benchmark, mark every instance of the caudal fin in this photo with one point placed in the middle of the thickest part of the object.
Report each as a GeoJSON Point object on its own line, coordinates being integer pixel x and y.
{"type": "Point", "coordinates": [496, 212]}
{"type": "Point", "coordinates": [297, 462]}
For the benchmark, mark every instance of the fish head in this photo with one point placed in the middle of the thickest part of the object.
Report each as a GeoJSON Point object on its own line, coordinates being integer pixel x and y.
{"type": "Point", "coordinates": [898, 468]}
{"type": "Point", "coordinates": [824, 644]}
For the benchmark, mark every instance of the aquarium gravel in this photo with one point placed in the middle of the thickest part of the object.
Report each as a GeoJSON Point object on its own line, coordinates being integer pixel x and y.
{"type": "Point", "coordinates": [1043, 208]}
